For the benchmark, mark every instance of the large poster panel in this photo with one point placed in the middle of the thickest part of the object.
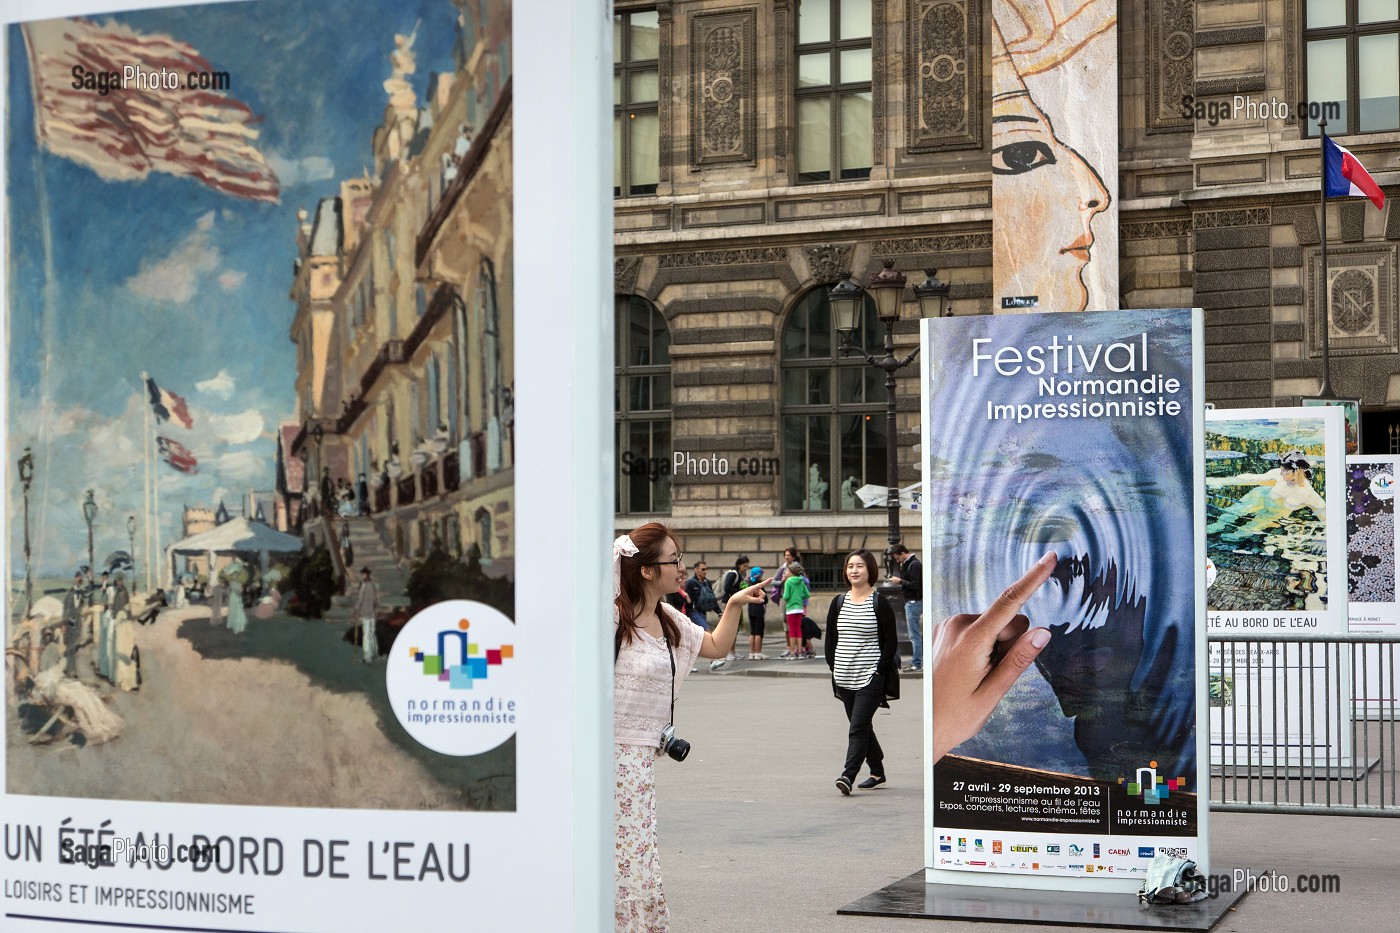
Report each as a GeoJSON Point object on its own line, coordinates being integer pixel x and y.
{"type": "Point", "coordinates": [1055, 154]}
{"type": "Point", "coordinates": [266, 665]}
{"type": "Point", "coordinates": [1373, 553]}
{"type": "Point", "coordinates": [1077, 435]}
{"type": "Point", "coordinates": [1276, 539]}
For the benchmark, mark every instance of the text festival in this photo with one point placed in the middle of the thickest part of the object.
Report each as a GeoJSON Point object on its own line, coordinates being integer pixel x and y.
{"type": "Point", "coordinates": [1143, 395]}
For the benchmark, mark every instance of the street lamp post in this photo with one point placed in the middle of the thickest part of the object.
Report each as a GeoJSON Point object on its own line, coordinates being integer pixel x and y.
{"type": "Point", "coordinates": [89, 513]}
{"type": "Point", "coordinates": [26, 476]}
{"type": "Point", "coordinates": [847, 307]}
{"type": "Point", "coordinates": [131, 537]}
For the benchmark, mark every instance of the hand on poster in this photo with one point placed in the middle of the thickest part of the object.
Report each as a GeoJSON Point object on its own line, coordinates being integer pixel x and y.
{"type": "Point", "coordinates": [976, 659]}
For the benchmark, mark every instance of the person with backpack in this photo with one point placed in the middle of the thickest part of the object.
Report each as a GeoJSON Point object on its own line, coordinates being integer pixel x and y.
{"type": "Point", "coordinates": [757, 613]}
{"type": "Point", "coordinates": [734, 579]}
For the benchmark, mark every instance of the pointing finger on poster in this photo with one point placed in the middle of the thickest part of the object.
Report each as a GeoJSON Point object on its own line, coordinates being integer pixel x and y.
{"type": "Point", "coordinates": [1009, 603]}
{"type": "Point", "coordinates": [976, 660]}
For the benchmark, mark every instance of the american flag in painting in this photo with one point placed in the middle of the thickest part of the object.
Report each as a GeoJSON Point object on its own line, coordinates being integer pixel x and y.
{"type": "Point", "coordinates": [176, 454]}
{"type": "Point", "coordinates": [132, 131]}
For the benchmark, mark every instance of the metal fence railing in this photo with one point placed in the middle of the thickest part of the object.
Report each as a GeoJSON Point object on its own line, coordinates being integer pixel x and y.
{"type": "Point", "coordinates": [1304, 723]}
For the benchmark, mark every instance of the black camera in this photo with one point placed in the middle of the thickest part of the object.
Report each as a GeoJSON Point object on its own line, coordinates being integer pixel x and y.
{"type": "Point", "coordinates": [676, 748]}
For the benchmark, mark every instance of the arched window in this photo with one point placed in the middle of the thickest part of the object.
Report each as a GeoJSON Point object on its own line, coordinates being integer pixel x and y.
{"type": "Point", "coordinates": [643, 407]}
{"type": "Point", "coordinates": [833, 411]}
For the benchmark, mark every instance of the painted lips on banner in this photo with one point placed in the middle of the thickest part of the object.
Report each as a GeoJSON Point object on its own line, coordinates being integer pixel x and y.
{"type": "Point", "coordinates": [130, 131]}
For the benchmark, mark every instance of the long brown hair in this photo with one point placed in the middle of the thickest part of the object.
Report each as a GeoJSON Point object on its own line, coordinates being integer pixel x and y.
{"type": "Point", "coordinates": [649, 539]}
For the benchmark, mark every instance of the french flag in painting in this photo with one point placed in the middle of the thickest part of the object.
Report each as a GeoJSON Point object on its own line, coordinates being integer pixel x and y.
{"type": "Point", "coordinates": [1345, 176]}
{"type": "Point", "coordinates": [167, 405]}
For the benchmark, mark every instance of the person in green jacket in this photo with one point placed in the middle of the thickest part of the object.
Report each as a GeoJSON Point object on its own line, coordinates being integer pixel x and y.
{"type": "Point", "coordinates": [795, 593]}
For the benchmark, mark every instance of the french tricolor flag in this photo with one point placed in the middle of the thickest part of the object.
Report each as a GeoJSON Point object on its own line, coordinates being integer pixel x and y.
{"type": "Point", "coordinates": [1345, 176]}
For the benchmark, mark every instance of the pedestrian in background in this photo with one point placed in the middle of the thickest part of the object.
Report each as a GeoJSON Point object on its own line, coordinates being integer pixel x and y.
{"type": "Point", "coordinates": [795, 593]}
{"type": "Point", "coordinates": [366, 601]}
{"type": "Point", "coordinates": [651, 643]}
{"type": "Point", "coordinates": [862, 651]}
{"type": "Point", "coordinates": [757, 616]}
{"type": "Point", "coordinates": [911, 581]}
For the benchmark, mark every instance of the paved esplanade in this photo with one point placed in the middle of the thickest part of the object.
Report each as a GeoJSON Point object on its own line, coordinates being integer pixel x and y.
{"type": "Point", "coordinates": [755, 835]}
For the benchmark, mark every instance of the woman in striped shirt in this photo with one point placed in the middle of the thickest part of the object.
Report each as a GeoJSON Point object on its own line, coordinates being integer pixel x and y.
{"type": "Point", "coordinates": [862, 651]}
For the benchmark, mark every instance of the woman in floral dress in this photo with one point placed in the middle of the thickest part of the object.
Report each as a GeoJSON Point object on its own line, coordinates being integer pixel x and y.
{"type": "Point", "coordinates": [654, 647]}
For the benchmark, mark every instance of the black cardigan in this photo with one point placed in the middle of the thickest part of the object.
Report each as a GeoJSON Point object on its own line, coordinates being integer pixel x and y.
{"type": "Point", "coordinates": [888, 666]}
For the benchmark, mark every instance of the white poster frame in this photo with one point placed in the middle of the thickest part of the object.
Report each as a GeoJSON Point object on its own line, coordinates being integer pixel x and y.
{"type": "Point", "coordinates": [1375, 618]}
{"type": "Point", "coordinates": [1253, 752]}
{"type": "Point", "coordinates": [1098, 883]}
{"type": "Point", "coordinates": [549, 863]}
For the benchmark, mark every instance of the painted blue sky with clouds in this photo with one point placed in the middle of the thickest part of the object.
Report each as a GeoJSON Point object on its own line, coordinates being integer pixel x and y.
{"type": "Point", "coordinates": [169, 276]}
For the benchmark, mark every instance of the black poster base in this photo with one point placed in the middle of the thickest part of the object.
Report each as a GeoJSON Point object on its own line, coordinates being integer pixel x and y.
{"type": "Point", "coordinates": [913, 897]}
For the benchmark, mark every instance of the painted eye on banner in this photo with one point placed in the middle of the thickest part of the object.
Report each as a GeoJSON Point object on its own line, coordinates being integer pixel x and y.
{"type": "Point", "coordinates": [1018, 158]}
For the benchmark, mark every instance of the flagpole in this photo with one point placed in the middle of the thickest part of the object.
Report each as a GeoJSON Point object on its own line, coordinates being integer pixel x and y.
{"type": "Point", "coordinates": [158, 555]}
{"type": "Point", "coordinates": [1326, 389]}
{"type": "Point", "coordinates": [146, 444]}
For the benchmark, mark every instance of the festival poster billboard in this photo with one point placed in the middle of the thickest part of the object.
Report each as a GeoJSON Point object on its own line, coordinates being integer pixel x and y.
{"type": "Point", "coordinates": [270, 447]}
{"type": "Point", "coordinates": [1081, 435]}
{"type": "Point", "coordinates": [1276, 540]}
{"type": "Point", "coordinates": [1373, 552]}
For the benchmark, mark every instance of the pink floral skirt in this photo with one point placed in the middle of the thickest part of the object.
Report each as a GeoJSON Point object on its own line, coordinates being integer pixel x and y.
{"type": "Point", "coordinates": [640, 906]}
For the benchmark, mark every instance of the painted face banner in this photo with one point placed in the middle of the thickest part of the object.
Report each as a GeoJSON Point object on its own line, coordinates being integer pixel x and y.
{"type": "Point", "coordinates": [1078, 436]}
{"type": "Point", "coordinates": [1054, 154]}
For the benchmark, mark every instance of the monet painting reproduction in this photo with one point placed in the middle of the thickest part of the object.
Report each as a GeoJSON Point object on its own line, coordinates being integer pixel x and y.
{"type": "Point", "coordinates": [260, 393]}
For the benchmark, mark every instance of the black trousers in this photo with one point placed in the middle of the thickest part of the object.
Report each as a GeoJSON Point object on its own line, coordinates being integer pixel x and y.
{"type": "Point", "coordinates": [862, 747]}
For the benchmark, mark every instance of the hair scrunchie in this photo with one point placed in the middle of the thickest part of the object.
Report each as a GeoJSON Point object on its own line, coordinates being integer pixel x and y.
{"type": "Point", "coordinates": [622, 547]}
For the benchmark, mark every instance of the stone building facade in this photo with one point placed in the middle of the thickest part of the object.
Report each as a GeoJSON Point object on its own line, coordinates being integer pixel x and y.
{"type": "Point", "coordinates": [724, 247]}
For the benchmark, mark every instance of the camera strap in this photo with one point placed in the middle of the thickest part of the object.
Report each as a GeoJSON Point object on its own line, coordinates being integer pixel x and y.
{"type": "Point", "coordinates": [670, 655]}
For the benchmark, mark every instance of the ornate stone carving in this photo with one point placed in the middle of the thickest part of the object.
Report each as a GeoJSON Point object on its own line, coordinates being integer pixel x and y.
{"type": "Point", "coordinates": [1304, 221]}
{"type": "Point", "coordinates": [931, 244]}
{"type": "Point", "coordinates": [1207, 220]}
{"type": "Point", "coordinates": [1353, 220]}
{"type": "Point", "coordinates": [663, 102]}
{"type": "Point", "coordinates": [943, 96]}
{"type": "Point", "coordinates": [1353, 307]}
{"type": "Point", "coordinates": [723, 93]}
{"type": "Point", "coordinates": [1291, 41]}
{"type": "Point", "coordinates": [722, 257]}
{"type": "Point", "coordinates": [625, 270]}
{"type": "Point", "coordinates": [830, 263]}
{"type": "Point", "coordinates": [877, 81]}
{"type": "Point", "coordinates": [1171, 64]}
{"type": "Point", "coordinates": [782, 44]}
{"type": "Point", "coordinates": [1154, 230]}
{"type": "Point", "coordinates": [1362, 310]}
